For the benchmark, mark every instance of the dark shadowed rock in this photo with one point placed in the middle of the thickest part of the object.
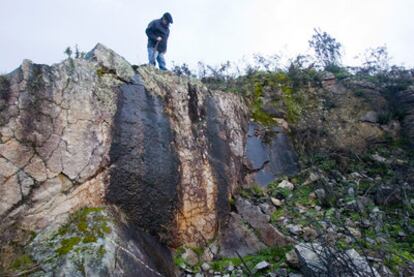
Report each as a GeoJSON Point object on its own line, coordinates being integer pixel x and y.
{"type": "Point", "coordinates": [269, 154]}
{"type": "Point", "coordinates": [104, 246]}
{"type": "Point", "coordinates": [144, 174]}
{"type": "Point", "coordinates": [237, 237]}
{"type": "Point", "coordinates": [405, 100]}
{"type": "Point", "coordinates": [259, 222]}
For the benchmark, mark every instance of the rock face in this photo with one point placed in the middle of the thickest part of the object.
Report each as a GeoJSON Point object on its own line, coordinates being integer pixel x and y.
{"type": "Point", "coordinates": [177, 152]}
{"type": "Point", "coordinates": [92, 132]}
{"type": "Point", "coordinates": [95, 243]}
{"type": "Point", "coordinates": [405, 100]}
{"type": "Point", "coordinates": [338, 118]}
{"type": "Point", "coordinates": [269, 154]}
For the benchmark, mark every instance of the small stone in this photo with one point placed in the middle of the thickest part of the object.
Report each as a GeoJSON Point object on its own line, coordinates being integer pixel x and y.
{"type": "Point", "coordinates": [312, 196]}
{"type": "Point", "coordinates": [210, 252]}
{"type": "Point", "coordinates": [376, 210]}
{"type": "Point", "coordinates": [378, 158]}
{"type": "Point", "coordinates": [281, 272]}
{"type": "Point", "coordinates": [230, 267]}
{"type": "Point", "coordinates": [402, 234]}
{"type": "Point", "coordinates": [355, 232]}
{"type": "Point", "coordinates": [302, 209]}
{"type": "Point", "coordinates": [309, 234]}
{"type": "Point", "coordinates": [292, 258]}
{"type": "Point", "coordinates": [276, 202]}
{"type": "Point", "coordinates": [355, 175]}
{"type": "Point", "coordinates": [267, 208]}
{"type": "Point", "coordinates": [198, 274]}
{"type": "Point", "coordinates": [318, 208]}
{"type": "Point", "coordinates": [400, 162]}
{"type": "Point", "coordinates": [294, 229]}
{"type": "Point", "coordinates": [349, 240]}
{"type": "Point", "coordinates": [205, 267]}
{"type": "Point", "coordinates": [190, 257]}
{"type": "Point", "coordinates": [349, 222]}
{"type": "Point", "coordinates": [313, 177]}
{"type": "Point", "coordinates": [351, 192]}
{"type": "Point", "coordinates": [365, 223]}
{"type": "Point", "coordinates": [286, 185]}
{"type": "Point", "coordinates": [321, 194]}
{"type": "Point", "coordinates": [261, 265]}
{"type": "Point", "coordinates": [282, 123]}
{"type": "Point", "coordinates": [370, 117]}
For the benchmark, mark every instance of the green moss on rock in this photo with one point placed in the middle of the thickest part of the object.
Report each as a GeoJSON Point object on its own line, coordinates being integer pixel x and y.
{"type": "Point", "coordinates": [67, 245]}
{"type": "Point", "coordinates": [22, 262]}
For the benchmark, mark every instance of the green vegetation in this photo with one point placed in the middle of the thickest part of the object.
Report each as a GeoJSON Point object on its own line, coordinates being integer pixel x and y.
{"type": "Point", "coordinates": [67, 245]}
{"type": "Point", "coordinates": [178, 259]}
{"type": "Point", "coordinates": [68, 51]}
{"type": "Point", "coordinates": [102, 70]}
{"type": "Point", "coordinates": [22, 262]}
{"type": "Point", "coordinates": [86, 225]}
{"type": "Point", "coordinates": [327, 49]}
{"type": "Point", "coordinates": [274, 256]}
{"type": "Point", "coordinates": [36, 82]}
{"type": "Point", "coordinates": [253, 192]}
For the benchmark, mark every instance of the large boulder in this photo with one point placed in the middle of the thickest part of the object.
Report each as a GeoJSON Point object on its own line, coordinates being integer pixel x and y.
{"type": "Point", "coordinates": [90, 132]}
{"type": "Point", "coordinates": [95, 242]}
{"type": "Point", "coordinates": [177, 152]}
{"type": "Point", "coordinates": [317, 260]}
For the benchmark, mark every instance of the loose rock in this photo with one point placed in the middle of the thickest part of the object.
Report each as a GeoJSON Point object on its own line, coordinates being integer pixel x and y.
{"type": "Point", "coordinates": [276, 202]}
{"type": "Point", "coordinates": [262, 265]}
{"type": "Point", "coordinates": [286, 185]}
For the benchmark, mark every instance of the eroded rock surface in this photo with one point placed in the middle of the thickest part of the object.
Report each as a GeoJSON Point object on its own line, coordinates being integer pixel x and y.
{"type": "Point", "coordinates": [177, 152]}
{"type": "Point", "coordinates": [269, 154]}
{"type": "Point", "coordinates": [91, 132]}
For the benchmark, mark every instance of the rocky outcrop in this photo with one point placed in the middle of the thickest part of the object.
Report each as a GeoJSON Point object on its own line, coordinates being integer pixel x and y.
{"type": "Point", "coordinates": [177, 152]}
{"type": "Point", "coordinates": [94, 242]}
{"type": "Point", "coordinates": [91, 132]}
{"type": "Point", "coordinates": [343, 117]}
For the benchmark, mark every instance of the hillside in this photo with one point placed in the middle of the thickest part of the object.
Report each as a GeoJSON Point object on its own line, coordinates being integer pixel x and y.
{"type": "Point", "coordinates": [109, 169]}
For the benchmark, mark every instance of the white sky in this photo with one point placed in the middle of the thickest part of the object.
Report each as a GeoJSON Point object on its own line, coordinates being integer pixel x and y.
{"type": "Point", "coordinates": [212, 31]}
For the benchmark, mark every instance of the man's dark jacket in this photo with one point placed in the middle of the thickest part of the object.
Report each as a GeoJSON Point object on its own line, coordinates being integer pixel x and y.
{"type": "Point", "coordinates": [157, 29]}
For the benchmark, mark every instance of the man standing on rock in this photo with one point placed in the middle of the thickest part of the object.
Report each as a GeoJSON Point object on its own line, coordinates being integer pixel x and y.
{"type": "Point", "coordinates": [158, 31]}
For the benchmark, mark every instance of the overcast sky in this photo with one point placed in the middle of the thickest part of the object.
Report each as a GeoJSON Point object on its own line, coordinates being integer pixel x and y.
{"type": "Point", "coordinates": [212, 31]}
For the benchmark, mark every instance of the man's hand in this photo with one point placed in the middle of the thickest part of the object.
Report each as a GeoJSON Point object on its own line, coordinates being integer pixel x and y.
{"type": "Point", "coordinates": [159, 38]}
